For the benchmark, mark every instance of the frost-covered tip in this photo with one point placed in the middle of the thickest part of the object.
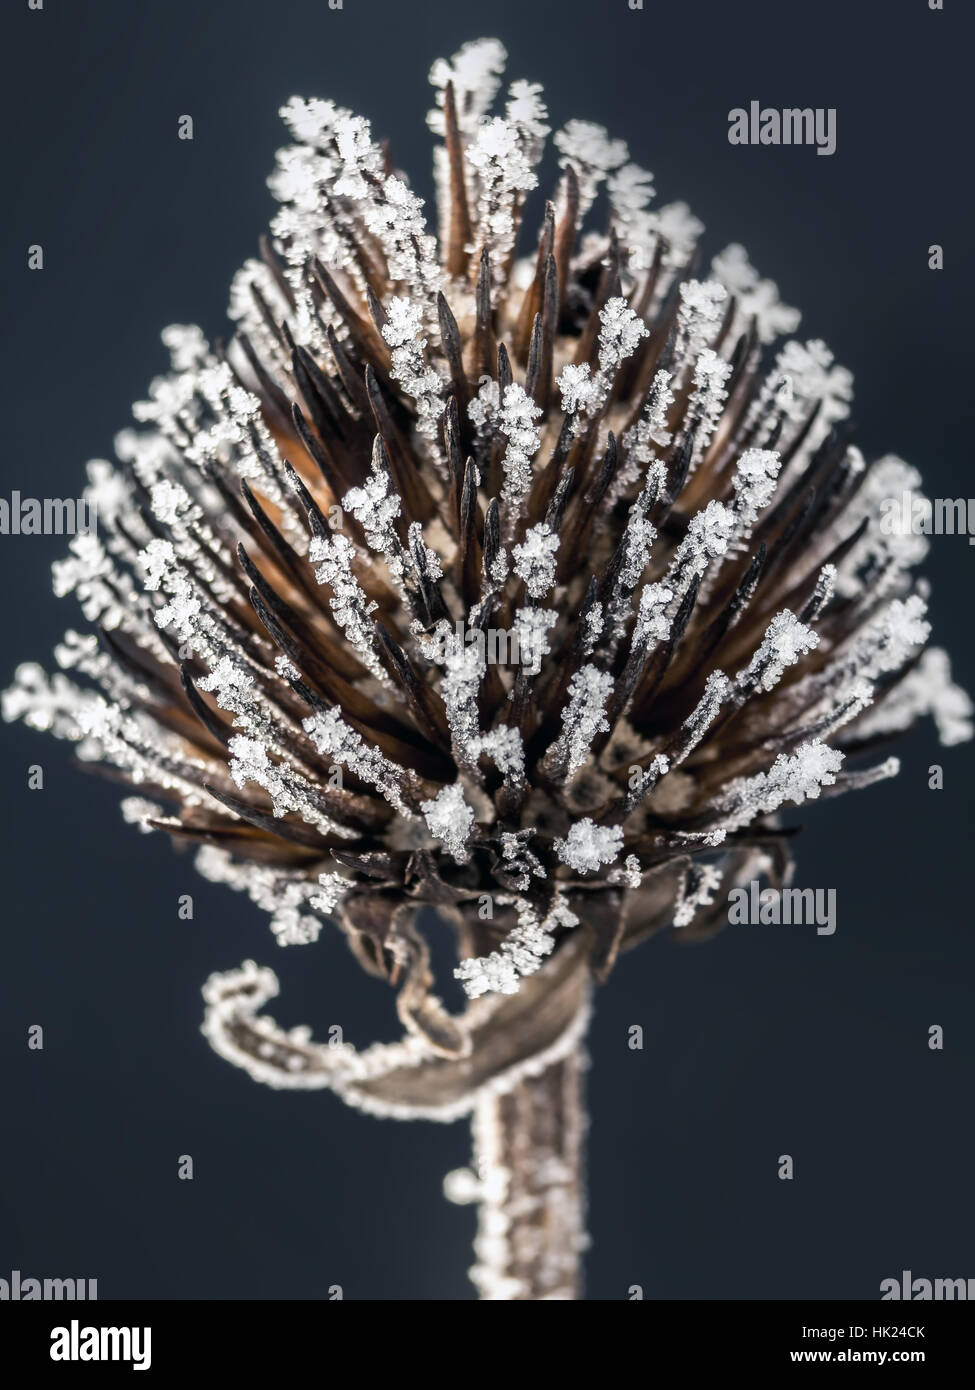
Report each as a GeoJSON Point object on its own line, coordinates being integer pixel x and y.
{"type": "Point", "coordinates": [516, 420]}
{"type": "Point", "coordinates": [582, 719]}
{"type": "Point", "coordinates": [335, 739]}
{"type": "Point", "coordinates": [755, 478]}
{"type": "Point", "coordinates": [699, 315]}
{"type": "Point", "coordinates": [639, 536]}
{"type": "Point", "coordinates": [711, 373]}
{"type": "Point", "coordinates": [402, 331]}
{"type": "Point", "coordinates": [475, 72]}
{"type": "Point", "coordinates": [794, 778]}
{"type": "Point", "coordinates": [136, 810]}
{"type": "Point", "coordinates": [709, 533]}
{"type": "Point", "coordinates": [805, 373]}
{"type": "Point", "coordinates": [281, 893]}
{"type": "Point", "coordinates": [891, 638]}
{"type": "Point", "coordinates": [891, 538]}
{"type": "Point", "coordinates": [620, 335]}
{"type": "Point", "coordinates": [641, 440]}
{"type": "Point", "coordinates": [679, 230]}
{"type": "Point", "coordinates": [526, 109]}
{"type": "Point", "coordinates": [630, 189]}
{"type": "Point", "coordinates": [757, 298]}
{"type": "Point", "coordinates": [696, 890]}
{"type": "Point", "coordinates": [532, 627]}
{"type": "Point", "coordinates": [374, 507]}
{"type": "Point", "coordinates": [592, 154]}
{"type": "Point", "coordinates": [522, 952]}
{"type": "Point", "coordinates": [450, 819]}
{"type": "Point", "coordinates": [928, 689]}
{"type": "Point", "coordinates": [534, 559]}
{"type": "Point", "coordinates": [587, 845]}
{"type": "Point", "coordinates": [652, 623]}
{"type": "Point", "coordinates": [464, 666]}
{"type": "Point", "coordinates": [576, 388]}
{"type": "Point", "coordinates": [333, 557]}
{"type": "Point", "coordinates": [502, 157]}
{"type": "Point", "coordinates": [786, 640]}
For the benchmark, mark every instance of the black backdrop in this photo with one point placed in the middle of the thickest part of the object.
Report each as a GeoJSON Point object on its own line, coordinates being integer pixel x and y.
{"type": "Point", "coordinates": [766, 1041]}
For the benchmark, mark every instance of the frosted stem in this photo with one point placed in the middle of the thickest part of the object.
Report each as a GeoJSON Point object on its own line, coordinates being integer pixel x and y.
{"type": "Point", "coordinates": [528, 1156]}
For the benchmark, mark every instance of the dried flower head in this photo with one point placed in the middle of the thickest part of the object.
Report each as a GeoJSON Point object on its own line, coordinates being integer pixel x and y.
{"type": "Point", "coordinates": [529, 590]}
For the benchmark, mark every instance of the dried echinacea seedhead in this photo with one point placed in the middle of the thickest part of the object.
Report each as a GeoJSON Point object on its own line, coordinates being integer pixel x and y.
{"type": "Point", "coordinates": [527, 590]}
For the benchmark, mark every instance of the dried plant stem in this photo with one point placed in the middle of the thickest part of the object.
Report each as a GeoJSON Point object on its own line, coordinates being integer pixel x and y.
{"type": "Point", "coordinates": [528, 1154]}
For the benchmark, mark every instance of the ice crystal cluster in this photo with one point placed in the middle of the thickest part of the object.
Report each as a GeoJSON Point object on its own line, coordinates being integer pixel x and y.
{"type": "Point", "coordinates": [421, 437]}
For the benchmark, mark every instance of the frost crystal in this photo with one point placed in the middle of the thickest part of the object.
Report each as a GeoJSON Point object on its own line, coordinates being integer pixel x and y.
{"type": "Point", "coordinates": [641, 440]}
{"type": "Point", "coordinates": [137, 811]}
{"type": "Point", "coordinates": [630, 875]}
{"type": "Point", "coordinates": [892, 637]}
{"type": "Point", "coordinates": [805, 378]}
{"type": "Point", "coordinates": [879, 497]}
{"type": "Point", "coordinates": [621, 331]}
{"type": "Point", "coordinates": [505, 747]}
{"type": "Point", "coordinates": [639, 536]}
{"type": "Point", "coordinates": [679, 231]}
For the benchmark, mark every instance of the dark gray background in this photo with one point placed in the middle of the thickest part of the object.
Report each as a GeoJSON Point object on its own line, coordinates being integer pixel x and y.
{"type": "Point", "coordinates": [766, 1041]}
